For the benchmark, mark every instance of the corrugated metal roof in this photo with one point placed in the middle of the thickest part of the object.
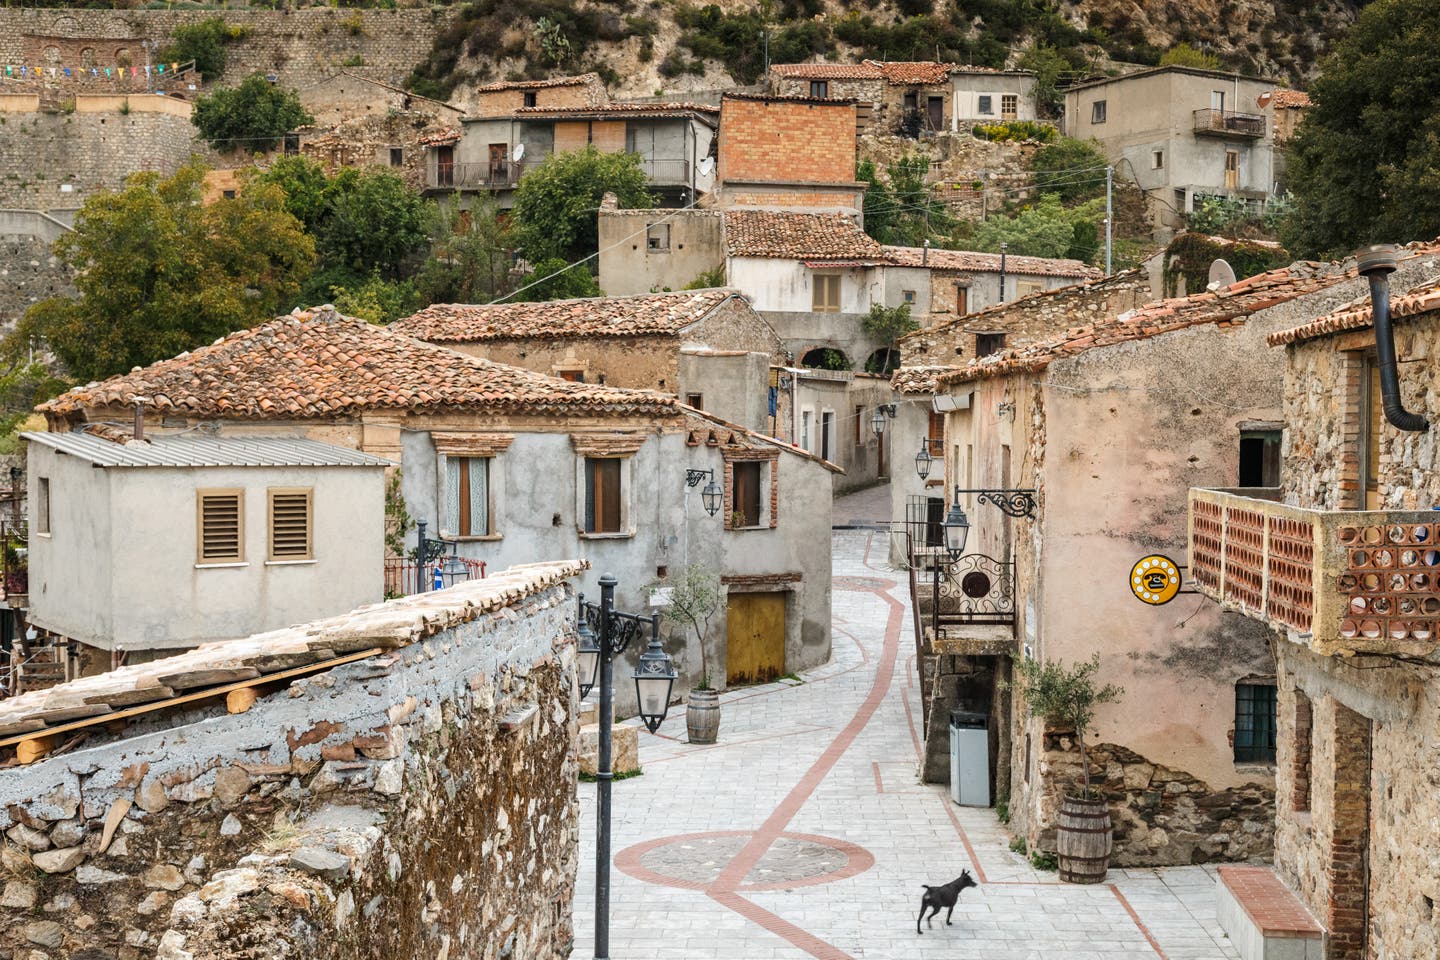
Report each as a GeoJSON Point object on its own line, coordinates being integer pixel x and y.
{"type": "Point", "coordinates": [194, 450]}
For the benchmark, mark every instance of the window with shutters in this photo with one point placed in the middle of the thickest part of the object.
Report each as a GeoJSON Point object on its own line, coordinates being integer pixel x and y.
{"type": "Point", "coordinates": [604, 497]}
{"type": "Point", "coordinates": [291, 526]}
{"type": "Point", "coordinates": [745, 494]}
{"type": "Point", "coordinates": [467, 497]}
{"type": "Point", "coordinates": [826, 294]}
{"type": "Point", "coordinates": [220, 522]}
{"type": "Point", "coordinates": [1009, 106]}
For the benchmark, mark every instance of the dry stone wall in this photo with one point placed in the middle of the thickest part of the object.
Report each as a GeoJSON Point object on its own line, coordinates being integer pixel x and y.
{"type": "Point", "coordinates": [298, 46]}
{"type": "Point", "coordinates": [420, 802]}
{"type": "Point", "coordinates": [29, 272]}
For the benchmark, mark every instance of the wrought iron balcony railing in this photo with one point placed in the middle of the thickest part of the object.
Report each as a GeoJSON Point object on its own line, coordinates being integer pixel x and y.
{"type": "Point", "coordinates": [1227, 123]}
{"type": "Point", "coordinates": [1343, 581]}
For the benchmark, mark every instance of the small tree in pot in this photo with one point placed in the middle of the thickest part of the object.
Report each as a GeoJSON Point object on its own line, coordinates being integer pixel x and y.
{"type": "Point", "coordinates": [694, 599]}
{"type": "Point", "coordinates": [1067, 697]}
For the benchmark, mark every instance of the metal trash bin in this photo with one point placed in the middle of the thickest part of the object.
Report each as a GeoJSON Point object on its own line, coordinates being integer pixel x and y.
{"type": "Point", "coordinates": [970, 758]}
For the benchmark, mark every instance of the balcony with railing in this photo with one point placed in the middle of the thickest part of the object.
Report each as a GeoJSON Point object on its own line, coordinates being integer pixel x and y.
{"type": "Point", "coordinates": [961, 605]}
{"type": "Point", "coordinates": [476, 176]}
{"type": "Point", "coordinates": [405, 576]}
{"type": "Point", "coordinates": [1341, 581]}
{"type": "Point", "coordinates": [1229, 124]}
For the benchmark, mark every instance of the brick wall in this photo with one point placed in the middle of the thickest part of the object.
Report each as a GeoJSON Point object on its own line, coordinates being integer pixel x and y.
{"type": "Point", "coordinates": [807, 142]}
{"type": "Point", "coordinates": [348, 814]}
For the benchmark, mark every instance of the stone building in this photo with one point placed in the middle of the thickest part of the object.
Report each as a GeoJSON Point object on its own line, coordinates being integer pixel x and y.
{"type": "Point", "coordinates": [1106, 422]}
{"type": "Point", "coordinates": [325, 790]}
{"type": "Point", "coordinates": [1336, 558]}
{"type": "Point", "coordinates": [350, 95]}
{"type": "Point", "coordinates": [1181, 134]}
{"type": "Point", "coordinates": [511, 466]}
{"type": "Point", "coordinates": [706, 347]}
{"type": "Point", "coordinates": [504, 97]}
{"type": "Point", "coordinates": [967, 281]}
{"type": "Point", "coordinates": [911, 97]}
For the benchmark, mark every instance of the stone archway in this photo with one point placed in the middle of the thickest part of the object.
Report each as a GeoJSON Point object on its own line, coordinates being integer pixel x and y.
{"type": "Point", "coordinates": [825, 358]}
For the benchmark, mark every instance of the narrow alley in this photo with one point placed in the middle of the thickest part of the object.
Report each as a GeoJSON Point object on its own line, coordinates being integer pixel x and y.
{"type": "Point", "coordinates": [804, 832]}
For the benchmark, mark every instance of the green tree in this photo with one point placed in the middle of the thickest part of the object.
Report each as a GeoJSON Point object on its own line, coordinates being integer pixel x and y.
{"type": "Point", "coordinates": [888, 325]}
{"type": "Point", "coordinates": [1043, 229]}
{"type": "Point", "coordinates": [469, 258]}
{"type": "Point", "coordinates": [253, 116]}
{"type": "Point", "coordinates": [1048, 64]}
{"type": "Point", "coordinates": [373, 221]}
{"type": "Point", "coordinates": [158, 273]}
{"type": "Point", "coordinates": [307, 187]}
{"type": "Point", "coordinates": [1073, 169]}
{"type": "Point", "coordinates": [555, 203]}
{"type": "Point", "coordinates": [899, 207]}
{"type": "Point", "coordinates": [555, 279]}
{"type": "Point", "coordinates": [1184, 55]}
{"type": "Point", "coordinates": [694, 599]}
{"type": "Point", "coordinates": [1065, 697]}
{"type": "Point", "coordinates": [1364, 165]}
{"type": "Point", "coordinates": [376, 299]}
{"type": "Point", "coordinates": [204, 42]}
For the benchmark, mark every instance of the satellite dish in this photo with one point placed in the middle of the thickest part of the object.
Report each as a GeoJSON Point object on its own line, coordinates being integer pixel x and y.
{"type": "Point", "coordinates": [1221, 275]}
{"type": "Point", "coordinates": [518, 152]}
{"type": "Point", "coordinates": [706, 165]}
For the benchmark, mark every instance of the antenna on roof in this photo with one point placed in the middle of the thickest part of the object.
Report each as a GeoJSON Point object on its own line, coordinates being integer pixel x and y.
{"type": "Point", "coordinates": [1221, 275]}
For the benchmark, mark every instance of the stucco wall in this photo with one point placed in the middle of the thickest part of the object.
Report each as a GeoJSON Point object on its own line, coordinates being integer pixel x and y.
{"type": "Point", "coordinates": [387, 768]}
{"type": "Point", "coordinates": [627, 266]}
{"type": "Point", "coordinates": [968, 88]}
{"type": "Point", "coordinates": [101, 579]}
{"type": "Point", "coordinates": [841, 393]}
{"type": "Point", "coordinates": [774, 284]}
{"type": "Point", "coordinates": [732, 385]}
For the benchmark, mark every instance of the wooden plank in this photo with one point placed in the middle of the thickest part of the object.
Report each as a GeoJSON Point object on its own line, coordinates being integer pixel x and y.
{"type": "Point", "coordinates": [239, 701]}
{"type": "Point", "coordinates": [200, 695]}
{"type": "Point", "coordinates": [190, 679]}
{"type": "Point", "coordinates": [30, 749]}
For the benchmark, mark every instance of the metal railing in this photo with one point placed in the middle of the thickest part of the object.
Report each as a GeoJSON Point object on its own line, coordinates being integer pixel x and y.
{"type": "Point", "coordinates": [477, 176]}
{"type": "Point", "coordinates": [1226, 123]}
{"type": "Point", "coordinates": [1344, 580]}
{"type": "Point", "coordinates": [405, 577]}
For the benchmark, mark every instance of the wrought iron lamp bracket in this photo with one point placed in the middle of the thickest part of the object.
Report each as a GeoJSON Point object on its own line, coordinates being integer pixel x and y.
{"type": "Point", "coordinates": [693, 477]}
{"type": "Point", "coordinates": [1013, 503]}
{"type": "Point", "coordinates": [624, 627]}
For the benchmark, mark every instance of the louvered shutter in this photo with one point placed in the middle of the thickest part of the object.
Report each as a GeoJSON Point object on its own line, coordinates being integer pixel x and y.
{"type": "Point", "coordinates": [290, 525]}
{"type": "Point", "coordinates": [221, 523]}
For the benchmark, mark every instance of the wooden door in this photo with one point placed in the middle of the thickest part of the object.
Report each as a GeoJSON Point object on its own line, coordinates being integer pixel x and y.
{"type": "Point", "coordinates": [962, 301]}
{"type": "Point", "coordinates": [1232, 170]}
{"type": "Point", "coordinates": [754, 637]}
{"type": "Point", "coordinates": [445, 166]}
{"type": "Point", "coordinates": [499, 152]}
{"type": "Point", "coordinates": [935, 111]}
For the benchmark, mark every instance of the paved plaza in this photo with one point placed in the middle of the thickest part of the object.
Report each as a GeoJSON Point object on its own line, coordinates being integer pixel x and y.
{"type": "Point", "coordinates": [804, 832]}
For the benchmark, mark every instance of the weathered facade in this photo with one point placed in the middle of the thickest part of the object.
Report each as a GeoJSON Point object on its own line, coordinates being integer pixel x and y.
{"type": "Point", "coordinates": [1065, 416]}
{"type": "Point", "coordinates": [328, 790]}
{"type": "Point", "coordinates": [1181, 134]}
{"type": "Point", "coordinates": [142, 547]}
{"type": "Point", "coordinates": [787, 153]}
{"type": "Point", "coordinates": [511, 466]}
{"type": "Point", "coordinates": [1341, 574]}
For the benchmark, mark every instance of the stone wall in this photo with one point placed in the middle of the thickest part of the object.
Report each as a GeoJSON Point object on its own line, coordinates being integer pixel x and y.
{"type": "Point", "coordinates": [59, 159]}
{"type": "Point", "coordinates": [418, 802]}
{"type": "Point", "coordinates": [1324, 413]}
{"type": "Point", "coordinates": [29, 272]}
{"type": "Point", "coordinates": [370, 141]}
{"type": "Point", "coordinates": [1357, 790]}
{"type": "Point", "coordinates": [298, 46]}
{"type": "Point", "coordinates": [958, 162]}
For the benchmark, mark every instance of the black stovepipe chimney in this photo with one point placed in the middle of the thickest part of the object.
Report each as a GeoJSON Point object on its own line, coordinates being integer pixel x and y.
{"type": "Point", "coordinates": [1377, 263]}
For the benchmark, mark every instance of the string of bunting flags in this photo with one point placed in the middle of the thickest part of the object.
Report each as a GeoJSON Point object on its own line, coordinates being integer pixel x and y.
{"type": "Point", "coordinates": [21, 71]}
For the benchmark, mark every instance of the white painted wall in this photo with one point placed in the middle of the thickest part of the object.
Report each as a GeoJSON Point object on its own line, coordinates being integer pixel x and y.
{"type": "Point", "coordinates": [788, 285]}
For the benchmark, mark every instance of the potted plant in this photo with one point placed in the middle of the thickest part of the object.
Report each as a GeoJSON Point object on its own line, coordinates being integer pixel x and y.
{"type": "Point", "coordinates": [1066, 698]}
{"type": "Point", "coordinates": [694, 598]}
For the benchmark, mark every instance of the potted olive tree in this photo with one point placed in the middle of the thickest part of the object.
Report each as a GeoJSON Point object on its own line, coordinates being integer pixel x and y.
{"type": "Point", "coordinates": [694, 599]}
{"type": "Point", "coordinates": [1066, 698]}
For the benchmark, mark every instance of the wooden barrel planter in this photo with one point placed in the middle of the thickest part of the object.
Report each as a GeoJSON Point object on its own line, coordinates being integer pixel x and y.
{"type": "Point", "coordinates": [1083, 838]}
{"type": "Point", "coordinates": [702, 716]}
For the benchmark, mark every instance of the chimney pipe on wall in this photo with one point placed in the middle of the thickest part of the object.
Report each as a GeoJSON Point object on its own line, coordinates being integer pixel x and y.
{"type": "Point", "coordinates": [1377, 263]}
{"type": "Point", "coordinates": [139, 418]}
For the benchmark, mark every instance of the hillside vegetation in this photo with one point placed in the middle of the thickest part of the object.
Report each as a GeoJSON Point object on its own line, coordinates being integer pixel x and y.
{"type": "Point", "coordinates": [648, 46]}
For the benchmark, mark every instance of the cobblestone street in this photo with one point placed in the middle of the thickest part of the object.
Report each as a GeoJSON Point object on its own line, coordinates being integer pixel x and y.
{"type": "Point", "coordinates": [804, 831]}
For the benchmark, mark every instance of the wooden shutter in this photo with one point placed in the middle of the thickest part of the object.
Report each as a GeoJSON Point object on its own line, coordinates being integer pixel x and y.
{"type": "Point", "coordinates": [220, 522]}
{"type": "Point", "coordinates": [936, 434]}
{"type": "Point", "coordinates": [290, 528]}
{"type": "Point", "coordinates": [602, 495]}
{"type": "Point", "coordinates": [746, 499]}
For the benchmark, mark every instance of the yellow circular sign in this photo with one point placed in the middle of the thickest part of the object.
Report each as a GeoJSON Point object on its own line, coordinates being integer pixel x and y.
{"type": "Point", "coordinates": [1155, 580]}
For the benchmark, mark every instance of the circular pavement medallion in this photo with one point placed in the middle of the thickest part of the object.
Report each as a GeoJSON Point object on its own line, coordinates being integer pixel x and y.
{"type": "Point", "coordinates": [697, 861]}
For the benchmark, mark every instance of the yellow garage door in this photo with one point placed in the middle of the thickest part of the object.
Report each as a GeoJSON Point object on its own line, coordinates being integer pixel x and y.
{"type": "Point", "coordinates": [755, 637]}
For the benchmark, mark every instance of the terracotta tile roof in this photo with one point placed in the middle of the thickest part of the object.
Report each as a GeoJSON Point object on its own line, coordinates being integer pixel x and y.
{"type": "Point", "coordinates": [799, 236]}
{"type": "Point", "coordinates": [913, 71]}
{"type": "Point", "coordinates": [622, 110]}
{"type": "Point", "coordinates": [577, 81]}
{"type": "Point", "coordinates": [1282, 99]}
{"type": "Point", "coordinates": [828, 71]}
{"type": "Point", "coordinates": [1358, 315]}
{"type": "Point", "coordinates": [317, 363]}
{"type": "Point", "coordinates": [704, 428]}
{"type": "Point", "coordinates": [911, 380]}
{"type": "Point", "coordinates": [441, 137]}
{"type": "Point", "coordinates": [1232, 304]}
{"type": "Point", "coordinates": [990, 262]}
{"type": "Point", "coordinates": [654, 314]}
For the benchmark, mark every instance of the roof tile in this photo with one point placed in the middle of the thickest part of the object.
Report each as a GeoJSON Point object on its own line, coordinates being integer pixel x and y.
{"type": "Point", "coordinates": [801, 236]}
{"type": "Point", "coordinates": [937, 259]}
{"type": "Point", "coordinates": [655, 314]}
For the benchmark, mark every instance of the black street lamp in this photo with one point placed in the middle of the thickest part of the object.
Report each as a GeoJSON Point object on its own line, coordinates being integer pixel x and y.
{"type": "Point", "coordinates": [885, 411]}
{"type": "Point", "coordinates": [711, 495]}
{"type": "Point", "coordinates": [923, 460]}
{"type": "Point", "coordinates": [604, 634]}
{"type": "Point", "coordinates": [1017, 503]}
{"type": "Point", "coordinates": [956, 527]}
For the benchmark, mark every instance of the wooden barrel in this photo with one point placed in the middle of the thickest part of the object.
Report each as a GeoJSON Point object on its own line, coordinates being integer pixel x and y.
{"type": "Point", "coordinates": [1083, 837]}
{"type": "Point", "coordinates": [702, 716]}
